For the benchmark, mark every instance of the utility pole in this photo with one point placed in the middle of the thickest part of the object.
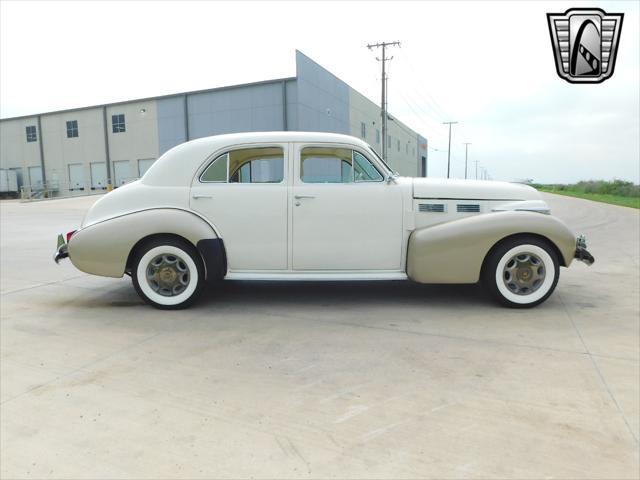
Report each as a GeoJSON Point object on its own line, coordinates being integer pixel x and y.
{"type": "Point", "coordinates": [476, 162]}
{"type": "Point", "coordinates": [466, 148]}
{"type": "Point", "coordinates": [383, 103]}
{"type": "Point", "coordinates": [449, 150]}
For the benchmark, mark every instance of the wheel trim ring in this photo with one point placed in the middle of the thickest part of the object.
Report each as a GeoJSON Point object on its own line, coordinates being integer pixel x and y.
{"type": "Point", "coordinates": [544, 288]}
{"type": "Point", "coordinates": [146, 289]}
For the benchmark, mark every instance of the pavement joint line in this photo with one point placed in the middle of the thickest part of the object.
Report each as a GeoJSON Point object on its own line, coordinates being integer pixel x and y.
{"type": "Point", "coordinates": [30, 287]}
{"type": "Point", "coordinates": [454, 337]}
{"type": "Point", "coordinates": [597, 369]}
{"type": "Point", "coordinates": [438, 335]}
{"type": "Point", "coordinates": [83, 367]}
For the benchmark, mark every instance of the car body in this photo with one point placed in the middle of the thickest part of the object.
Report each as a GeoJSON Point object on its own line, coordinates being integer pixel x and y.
{"type": "Point", "coordinates": [315, 206]}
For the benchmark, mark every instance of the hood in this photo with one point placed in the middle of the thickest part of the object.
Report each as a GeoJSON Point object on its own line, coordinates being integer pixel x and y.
{"type": "Point", "coordinates": [472, 190]}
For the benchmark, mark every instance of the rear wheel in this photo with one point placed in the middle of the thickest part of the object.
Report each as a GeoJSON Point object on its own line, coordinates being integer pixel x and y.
{"type": "Point", "coordinates": [522, 272]}
{"type": "Point", "coordinates": [168, 273]}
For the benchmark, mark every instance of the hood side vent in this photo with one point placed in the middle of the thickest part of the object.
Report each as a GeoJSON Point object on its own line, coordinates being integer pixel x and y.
{"type": "Point", "coordinates": [432, 207]}
{"type": "Point", "coordinates": [468, 208]}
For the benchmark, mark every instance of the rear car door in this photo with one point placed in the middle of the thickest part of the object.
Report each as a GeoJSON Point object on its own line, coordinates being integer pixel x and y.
{"type": "Point", "coordinates": [243, 192]}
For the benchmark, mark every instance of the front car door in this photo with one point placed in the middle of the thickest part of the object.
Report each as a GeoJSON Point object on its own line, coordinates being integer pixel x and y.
{"type": "Point", "coordinates": [243, 192]}
{"type": "Point", "coordinates": [346, 216]}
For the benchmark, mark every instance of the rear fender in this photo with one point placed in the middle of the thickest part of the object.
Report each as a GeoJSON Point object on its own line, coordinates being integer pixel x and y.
{"type": "Point", "coordinates": [454, 252]}
{"type": "Point", "coordinates": [103, 248]}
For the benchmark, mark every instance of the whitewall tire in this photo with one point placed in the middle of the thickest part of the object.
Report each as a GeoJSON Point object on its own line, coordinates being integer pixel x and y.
{"type": "Point", "coordinates": [522, 272]}
{"type": "Point", "coordinates": [168, 273]}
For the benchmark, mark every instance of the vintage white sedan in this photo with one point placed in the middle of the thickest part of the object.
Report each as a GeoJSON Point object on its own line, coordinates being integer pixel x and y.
{"type": "Point", "coordinates": [315, 206]}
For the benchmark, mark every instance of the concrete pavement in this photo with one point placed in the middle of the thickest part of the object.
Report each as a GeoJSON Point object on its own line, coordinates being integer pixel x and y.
{"type": "Point", "coordinates": [311, 380]}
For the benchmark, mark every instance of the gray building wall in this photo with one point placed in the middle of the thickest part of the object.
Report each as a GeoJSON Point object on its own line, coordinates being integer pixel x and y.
{"type": "Point", "coordinates": [323, 99]}
{"type": "Point", "coordinates": [315, 100]}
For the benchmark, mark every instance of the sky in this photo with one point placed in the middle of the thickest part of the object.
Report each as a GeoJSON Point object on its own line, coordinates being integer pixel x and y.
{"type": "Point", "coordinates": [487, 65]}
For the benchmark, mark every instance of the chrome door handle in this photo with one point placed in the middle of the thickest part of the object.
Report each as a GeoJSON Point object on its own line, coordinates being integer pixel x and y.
{"type": "Point", "coordinates": [298, 197]}
{"type": "Point", "coordinates": [196, 196]}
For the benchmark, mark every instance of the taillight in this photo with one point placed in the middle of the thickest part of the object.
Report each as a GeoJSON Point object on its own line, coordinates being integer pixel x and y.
{"type": "Point", "coordinates": [70, 234]}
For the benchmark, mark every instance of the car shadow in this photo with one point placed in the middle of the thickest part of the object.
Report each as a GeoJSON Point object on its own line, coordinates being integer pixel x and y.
{"type": "Point", "coordinates": [340, 294]}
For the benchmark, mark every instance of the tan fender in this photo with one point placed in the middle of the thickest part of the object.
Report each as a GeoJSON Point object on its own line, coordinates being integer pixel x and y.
{"type": "Point", "coordinates": [103, 248]}
{"type": "Point", "coordinates": [453, 252]}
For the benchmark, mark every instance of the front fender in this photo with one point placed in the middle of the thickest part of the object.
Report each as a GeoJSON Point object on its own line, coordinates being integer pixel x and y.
{"type": "Point", "coordinates": [103, 248]}
{"type": "Point", "coordinates": [453, 252]}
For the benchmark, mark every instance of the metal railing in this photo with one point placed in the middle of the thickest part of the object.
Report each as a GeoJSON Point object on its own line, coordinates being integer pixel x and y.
{"type": "Point", "coordinates": [60, 189]}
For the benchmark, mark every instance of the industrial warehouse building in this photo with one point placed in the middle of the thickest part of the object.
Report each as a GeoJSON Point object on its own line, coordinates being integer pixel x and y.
{"type": "Point", "coordinates": [85, 149]}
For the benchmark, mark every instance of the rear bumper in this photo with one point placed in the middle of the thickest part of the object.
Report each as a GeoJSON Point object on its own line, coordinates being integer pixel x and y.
{"type": "Point", "coordinates": [582, 253]}
{"type": "Point", "coordinates": [62, 249]}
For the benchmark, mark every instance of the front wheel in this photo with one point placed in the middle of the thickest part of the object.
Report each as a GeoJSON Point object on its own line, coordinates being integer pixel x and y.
{"type": "Point", "coordinates": [168, 273]}
{"type": "Point", "coordinates": [521, 272]}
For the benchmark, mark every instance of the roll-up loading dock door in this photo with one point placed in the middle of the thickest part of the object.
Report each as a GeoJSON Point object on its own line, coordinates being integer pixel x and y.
{"type": "Point", "coordinates": [121, 172]}
{"type": "Point", "coordinates": [76, 176]}
{"type": "Point", "coordinates": [98, 176]}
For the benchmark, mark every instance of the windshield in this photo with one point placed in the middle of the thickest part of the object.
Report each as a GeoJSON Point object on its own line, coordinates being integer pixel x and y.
{"type": "Point", "coordinates": [389, 169]}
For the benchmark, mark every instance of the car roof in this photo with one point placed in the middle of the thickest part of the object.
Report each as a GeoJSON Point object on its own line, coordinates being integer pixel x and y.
{"type": "Point", "coordinates": [177, 166]}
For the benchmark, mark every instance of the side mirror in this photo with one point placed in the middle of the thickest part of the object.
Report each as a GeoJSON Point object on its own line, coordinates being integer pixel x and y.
{"type": "Point", "coordinates": [390, 178]}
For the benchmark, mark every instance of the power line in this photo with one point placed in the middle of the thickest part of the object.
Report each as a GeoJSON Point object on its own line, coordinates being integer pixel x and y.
{"type": "Point", "coordinates": [383, 105]}
{"type": "Point", "coordinates": [408, 103]}
{"type": "Point", "coordinates": [417, 77]}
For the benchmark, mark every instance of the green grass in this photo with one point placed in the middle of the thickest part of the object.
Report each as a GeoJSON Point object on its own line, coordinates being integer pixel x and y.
{"type": "Point", "coordinates": [621, 200]}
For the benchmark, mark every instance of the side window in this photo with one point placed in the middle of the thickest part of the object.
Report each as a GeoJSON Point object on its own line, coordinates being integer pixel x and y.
{"type": "Point", "coordinates": [363, 170]}
{"type": "Point", "coordinates": [326, 165]}
{"type": "Point", "coordinates": [249, 165]}
{"type": "Point", "coordinates": [217, 171]}
{"type": "Point", "coordinates": [336, 165]}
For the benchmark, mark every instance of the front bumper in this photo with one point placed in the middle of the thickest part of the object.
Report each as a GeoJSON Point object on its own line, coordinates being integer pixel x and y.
{"type": "Point", "coordinates": [582, 253]}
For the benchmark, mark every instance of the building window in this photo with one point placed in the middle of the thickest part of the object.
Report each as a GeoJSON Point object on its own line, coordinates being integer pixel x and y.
{"type": "Point", "coordinates": [398, 145]}
{"type": "Point", "coordinates": [72, 128]}
{"type": "Point", "coordinates": [32, 136]}
{"type": "Point", "coordinates": [407, 148]}
{"type": "Point", "coordinates": [363, 130]}
{"type": "Point", "coordinates": [377, 136]}
{"type": "Point", "coordinates": [117, 123]}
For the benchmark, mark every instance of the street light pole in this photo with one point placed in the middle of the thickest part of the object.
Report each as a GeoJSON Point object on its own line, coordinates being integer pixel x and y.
{"type": "Point", "coordinates": [449, 150]}
{"type": "Point", "coordinates": [466, 148]}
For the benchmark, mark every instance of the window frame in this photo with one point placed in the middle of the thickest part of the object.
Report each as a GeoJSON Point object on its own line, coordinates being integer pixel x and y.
{"type": "Point", "coordinates": [226, 151]}
{"type": "Point", "coordinates": [72, 129]}
{"type": "Point", "coordinates": [31, 133]}
{"type": "Point", "coordinates": [122, 126]}
{"type": "Point", "coordinates": [354, 149]}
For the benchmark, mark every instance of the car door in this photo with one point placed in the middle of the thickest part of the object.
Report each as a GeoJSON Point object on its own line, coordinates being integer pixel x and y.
{"type": "Point", "coordinates": [244, 193]}
{"type": "Point", "coordinates": [346, 216]}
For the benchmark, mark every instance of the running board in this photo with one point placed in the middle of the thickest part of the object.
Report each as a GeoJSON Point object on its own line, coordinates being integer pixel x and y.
{"type": "Point", "coordinates": [316, 276]}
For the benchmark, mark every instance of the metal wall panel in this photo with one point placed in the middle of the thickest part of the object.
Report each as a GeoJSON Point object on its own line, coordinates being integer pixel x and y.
{"type": "Point", "coordinates": [171, 124]}
{"type": "Point", "coordinates": [323, 99]}
{"type": "Point", "coordinates": [251, 108]}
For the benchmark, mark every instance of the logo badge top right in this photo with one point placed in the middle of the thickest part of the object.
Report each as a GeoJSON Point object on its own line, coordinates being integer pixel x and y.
{"type": "Point", "coordinates": [585, 43]}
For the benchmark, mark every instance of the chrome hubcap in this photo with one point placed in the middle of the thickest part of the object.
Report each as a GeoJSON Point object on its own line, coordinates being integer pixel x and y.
{"type": "Point", "coordinates": [168, 275]}
{"type": "Point", "coordinates": [524, 273]}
